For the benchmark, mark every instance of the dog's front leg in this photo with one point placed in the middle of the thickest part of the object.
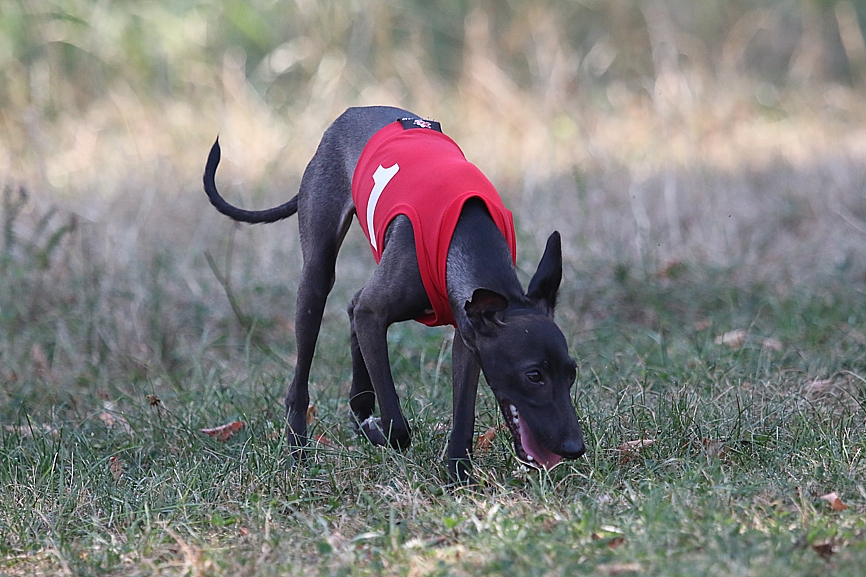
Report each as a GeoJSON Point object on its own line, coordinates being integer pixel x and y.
{"type": "Point", "coordinates": [464, 371]}
{"type": "Point", "coordinates": [371, 330]}
{"type": "Point", "coordinates": [362, 396]}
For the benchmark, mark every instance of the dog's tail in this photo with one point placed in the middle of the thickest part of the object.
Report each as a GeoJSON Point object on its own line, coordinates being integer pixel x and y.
{"type": "Point", "coordinates": [251, 216]}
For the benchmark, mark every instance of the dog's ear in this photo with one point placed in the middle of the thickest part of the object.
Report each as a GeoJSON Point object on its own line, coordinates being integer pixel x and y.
{"type": "Point", "coordinates": [545, 282]}
{"type": "Point", "coordinates": [484, 308]}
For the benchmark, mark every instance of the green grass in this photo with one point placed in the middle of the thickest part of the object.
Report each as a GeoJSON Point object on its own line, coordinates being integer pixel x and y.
{"type": "Point", "coordinates": [745, 443]}
{"type": "Point", "coordinates": [702, 161]}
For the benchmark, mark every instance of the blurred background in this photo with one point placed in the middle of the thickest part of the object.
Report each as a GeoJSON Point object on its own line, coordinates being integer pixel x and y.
{"type": "Point", "coordinates": [659, 136]}
{"type": "Point", "coordinates": [96, 95]}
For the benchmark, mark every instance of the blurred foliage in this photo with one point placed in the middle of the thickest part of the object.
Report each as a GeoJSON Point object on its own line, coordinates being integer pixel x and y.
{"type": "Point", "coordinates": [62, 53]}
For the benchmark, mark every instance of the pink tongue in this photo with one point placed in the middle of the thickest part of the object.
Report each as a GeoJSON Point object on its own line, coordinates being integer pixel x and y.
{"type": "Point", "coordinates": [535, 449]}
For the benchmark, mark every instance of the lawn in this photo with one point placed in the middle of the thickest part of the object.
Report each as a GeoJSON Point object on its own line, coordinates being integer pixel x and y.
{"type": "Point", "coordinates": [714, 239]}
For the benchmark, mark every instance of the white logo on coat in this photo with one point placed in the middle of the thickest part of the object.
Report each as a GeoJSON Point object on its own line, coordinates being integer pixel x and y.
{"type": "Point", "coordinates": [381, 178]}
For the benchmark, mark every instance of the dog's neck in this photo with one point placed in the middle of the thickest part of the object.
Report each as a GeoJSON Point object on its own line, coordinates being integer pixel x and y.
{"type": "Point", "coordinates": [478, 257]}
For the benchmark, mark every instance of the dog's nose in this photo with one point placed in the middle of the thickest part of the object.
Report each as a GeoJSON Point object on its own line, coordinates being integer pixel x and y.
{"type": "Point", "coordinates": [573, 448]}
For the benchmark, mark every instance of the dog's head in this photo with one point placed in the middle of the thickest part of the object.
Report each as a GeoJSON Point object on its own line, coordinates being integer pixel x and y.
{"type": "Point", "coordinates": [525, 360]}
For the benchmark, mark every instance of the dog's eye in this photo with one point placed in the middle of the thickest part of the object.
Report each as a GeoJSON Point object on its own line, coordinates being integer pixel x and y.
{"type": "Point", "coordinates": [534, 376]}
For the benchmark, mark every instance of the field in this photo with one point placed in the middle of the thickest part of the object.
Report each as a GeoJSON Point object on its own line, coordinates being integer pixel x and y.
{"type": "Point", "coordinates": [712, 208]}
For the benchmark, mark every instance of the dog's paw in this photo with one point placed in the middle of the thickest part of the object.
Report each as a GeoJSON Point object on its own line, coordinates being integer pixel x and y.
{"type": "Point", "coordinates": [297, 443]}
{"type": "Point", "coordinates": [460, 473]}
{"type": "Point", "coordinates": [371, 428]}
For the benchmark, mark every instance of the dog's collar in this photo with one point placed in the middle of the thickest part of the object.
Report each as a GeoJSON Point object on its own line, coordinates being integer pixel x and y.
{"type": "Point", "coordinates": [420, 123]}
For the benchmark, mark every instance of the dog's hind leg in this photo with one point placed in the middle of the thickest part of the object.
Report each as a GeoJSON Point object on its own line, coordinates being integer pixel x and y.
{"type": "Point", "coordinates": [324, 214]}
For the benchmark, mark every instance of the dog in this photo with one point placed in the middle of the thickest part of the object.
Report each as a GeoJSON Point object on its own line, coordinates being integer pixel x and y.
{"type": "Point", "coordinates": [371, 162]}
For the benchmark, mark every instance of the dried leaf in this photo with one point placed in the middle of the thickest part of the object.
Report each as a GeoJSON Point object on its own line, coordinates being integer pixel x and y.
{"type": "Point", "coordinates": [819, 385]}
{"type": "Point", "coordinates": [631, 449]}
{"type": "Point", "coordinates": [116, 466]}
{"type": "Point", "coordinates": [835, 502]}
{"type": "Point", "coordinates": [732, 339]}
{"type": "Point", "coordinates": [311, 414]}
{"type": "Point", "coordinates": [224, 432]}
{"type": "Point", "coordinates": [615, 542]}
{"type": "Point", "coordinates": [323, 439]}
{"type": "Point", "coordinates": [108, 419]}
{"type": "Point", "coordinates": [485, 439]}
{"type": "Point", "coordinates": [825, 550]}
{"type": "Point", "coordinates": [703, 325]}
{"type": "Point", "coordinates": [619, 568]}
{"type": "Point", "coordinates": [772, 344]}
{"type": "Point", "coordinates": [715, 448]}
{"type": "Point", "coordinates": [112, 418]}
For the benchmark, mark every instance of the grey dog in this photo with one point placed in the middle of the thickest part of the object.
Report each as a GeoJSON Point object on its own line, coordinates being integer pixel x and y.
{"type": "Point", "coordinates": [501, 330]}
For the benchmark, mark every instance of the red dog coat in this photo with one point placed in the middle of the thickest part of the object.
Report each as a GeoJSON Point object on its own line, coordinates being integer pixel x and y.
{"type": "Point", "coordinates": [423, 174]}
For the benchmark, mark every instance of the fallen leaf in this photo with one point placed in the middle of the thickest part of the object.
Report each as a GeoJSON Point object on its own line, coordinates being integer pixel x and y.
{"type": "Point", "coordinates": [323, 439]}
{"type": "Point", "coordinates": [116, 466]}
{"type": "Point", "coordinates": [619, 568]}
{"type": "Point", "coordinates": [485, 439]}
{"type": "Point", "coordinates": [732, 339]}
{"type": "Point", "coordinates": [772, 344]}
{"type": "Point", "coordinates": [244, 531]}
{"type": "Point", "coordinates": [825, 550]}
{"type": "Point", "coordinates": [112, 418]}
{"type": "Point", "coordinates": [631, 449]}
{"type": "Point", "coordinates": [703, 325]}
{"type": "Point", "coordinates": [819, 385]}
{"type": "Point", "coordinates": [615, 542]}
{"type": "Point", "coordinates": [835, 502]}
{"type": "Point", "coordinates": [311, 414]}
{"type": "Point", "coordinates": [111, 421]}
{"type": "Point", "coordinates": [108, 419]}
{"type": "Point", "coordinates": [714, 448]}
{"type": "Point", "coordinates": [224, 432]}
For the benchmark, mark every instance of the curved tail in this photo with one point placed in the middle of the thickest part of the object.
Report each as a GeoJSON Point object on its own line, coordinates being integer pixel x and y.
{"type": "Point", "coordinates": [251, 216]}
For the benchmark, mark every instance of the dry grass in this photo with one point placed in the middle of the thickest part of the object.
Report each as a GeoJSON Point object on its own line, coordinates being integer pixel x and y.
{"type": "Point", "coordinates": [694, 201]}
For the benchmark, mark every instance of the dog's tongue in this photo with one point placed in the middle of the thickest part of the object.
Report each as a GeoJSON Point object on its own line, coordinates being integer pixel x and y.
{"type": "Point", "coordinates": [543, 457]}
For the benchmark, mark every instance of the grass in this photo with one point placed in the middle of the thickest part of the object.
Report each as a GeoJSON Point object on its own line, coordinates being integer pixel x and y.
{"type": "Point", "coordinates": [98, 478]}
{"type": "Point", "coordinates": [714, 231]}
